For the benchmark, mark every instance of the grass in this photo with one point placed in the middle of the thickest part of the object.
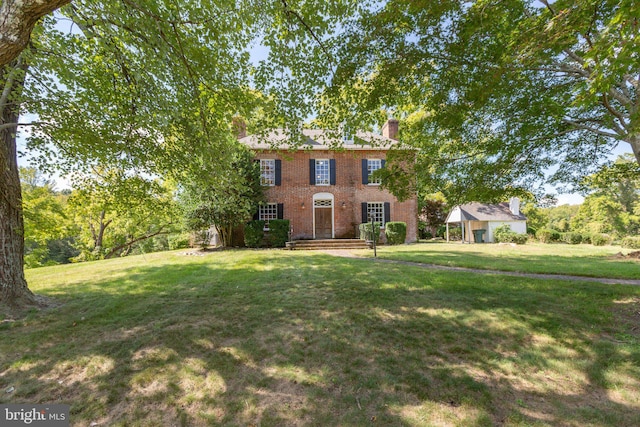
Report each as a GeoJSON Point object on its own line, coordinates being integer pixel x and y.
{"type": "Point", "coordinates": [277, 338]}
{"type": "Point", "coordinates": [577, 260]}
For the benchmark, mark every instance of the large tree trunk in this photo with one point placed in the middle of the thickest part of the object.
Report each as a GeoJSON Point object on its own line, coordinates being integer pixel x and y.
{"type": "Point", "coordinates": [13, 286]}
{"type": "Point", "coordinates": [634, 141]}
{"type": "Point", "coordinates": [17, 19]}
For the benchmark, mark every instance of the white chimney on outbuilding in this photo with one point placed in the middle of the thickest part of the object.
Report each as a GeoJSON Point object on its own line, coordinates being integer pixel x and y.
{"type": "Point", "coordinates": [514, 205]}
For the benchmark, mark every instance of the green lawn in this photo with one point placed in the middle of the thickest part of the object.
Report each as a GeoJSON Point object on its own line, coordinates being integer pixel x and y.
{"type": "Point", "coordinates": [279, 338]}
{"type": "Point", "coordinates": [579, 260]}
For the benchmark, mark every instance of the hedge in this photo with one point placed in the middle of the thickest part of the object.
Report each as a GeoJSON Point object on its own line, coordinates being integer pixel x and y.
{"type": "Point", "coordinates": [548, 235]}
{"type": "Point", "coordinates": [600, 239]}
{"type": "Point", "coordinates": [572, 238]}
{"type": "Point", "coordinates": [396, 232]}
{"type": "Point", "coordinates": [504, 234]}
{"type": "Point", "coordinates": [365, 231]}
{"type": "Point", "coordinates": [631, 242]}
{"type": "Point", "coordinates": [254, 234]}
{"type": "Point", "coordinates": [278, 232]}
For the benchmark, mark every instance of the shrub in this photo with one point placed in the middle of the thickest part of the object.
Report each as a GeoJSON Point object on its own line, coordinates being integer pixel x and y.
{"type": "Point", "coordinates": [179, 241]}
{"type": "Point", "coordinates": [547, 235]}
{"type": "Point", "coordinates": [254, 234]}
{"type": "Point", "coordinates": [504, 234]}
{"type": "Point", "coordinates": [278, 232]}
{"type": "Point", "coordinates": [631, 242]}
{"type": "Point", "coordinates": [586, 238]}
{"type": "Point", "coordinates": [572, 238]}
{"type": "Point", "coordinates": [366, 234]}
{"type": "Point", "coordinates": [600, 239]}
{"type": "Point", "coordinates": [396, 232]}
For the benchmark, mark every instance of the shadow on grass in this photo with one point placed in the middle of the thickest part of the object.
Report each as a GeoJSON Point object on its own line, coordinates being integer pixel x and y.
{"type": "Point", "coordinates": [279, 340]}
{"type": "Point", "coordinates": [578, 265]}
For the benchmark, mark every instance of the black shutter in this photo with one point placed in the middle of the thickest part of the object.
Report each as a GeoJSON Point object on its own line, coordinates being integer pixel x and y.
{"type": "Point", "coordinates": [365, 214]}
{"type": "Point", "coordinates": [387, 212]}
{"type": "Point", "coordinates": [332, 172]}
{"type": "Point", "coordinates": [312, 171]}
{"type": "Point", "coordinates": [256, 216]}
{"type": "Point", "coordinates": [280, 211]}
{"type": "Point", "coordinates": [278, 172]}
{"type": "Point", "coordinates": [382, 162]}
{"type": "Point", "coordinates": [365, 172]}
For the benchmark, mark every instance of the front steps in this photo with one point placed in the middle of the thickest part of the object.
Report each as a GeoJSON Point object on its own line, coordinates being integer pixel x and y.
{"type": "Point", "coordinates": [330, 244]}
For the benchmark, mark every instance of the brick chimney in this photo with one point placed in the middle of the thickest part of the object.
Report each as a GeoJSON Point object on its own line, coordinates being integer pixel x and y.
{"type": "Point", "coordinates": [239, 127]}
{"type": "Point", "coordinates": [390, 129]}
{"type": "Point", "coordinates": [514, 205]}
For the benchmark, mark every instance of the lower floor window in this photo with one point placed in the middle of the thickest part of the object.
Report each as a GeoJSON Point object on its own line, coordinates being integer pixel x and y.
{"type": "Point", "coordinates": [268, 212]}
{"type": "Point", "coordinates": [375, 211]}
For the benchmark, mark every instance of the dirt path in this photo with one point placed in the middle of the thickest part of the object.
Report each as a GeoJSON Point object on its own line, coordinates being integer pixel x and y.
{"type": "Point", "coordinates": [608, 281]}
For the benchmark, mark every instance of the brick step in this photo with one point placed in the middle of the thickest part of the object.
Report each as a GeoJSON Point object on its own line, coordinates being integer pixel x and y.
{"type": "Point", "coordinates": [330, 244]}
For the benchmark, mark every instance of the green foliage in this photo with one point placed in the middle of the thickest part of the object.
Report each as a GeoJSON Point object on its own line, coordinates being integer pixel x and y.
{"type": "Point", "coordinates": [278, 233]}
{"type": "Point", "coordinates": [396, 232]}
{"type": "Point", "coordinates": [548, 235]}
{"type": "Point", "coordinates": [116, 212]}
{"type": "Point", "coordinates": [179, 240]}
{"type": "Point", "coordinates": [600, 239]}
{"type": "Point", "coordinates": [572, 237]}
{"type": "Point", "coordinates": [369, 232]}
{"type": "Point", "coordinates": [254, 234]}
{"type": "Point", "coordinates": [496, 95]}
{"type": "Point", "coordinates": [433, 212]}
{"type": "Point", "coordinates": [504, 234]}
{"type": "Point", "coordinates": [223, 198]}
{"type": "Point", "coordinates": [631, 242]}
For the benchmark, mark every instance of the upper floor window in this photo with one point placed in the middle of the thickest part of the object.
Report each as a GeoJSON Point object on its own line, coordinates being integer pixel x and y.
{"type": "Point", "coordinates": [323, 172]}
{"type": "Point", "coordinates": [267, 172]}
{"type": "Point", "coordinates": [372, 166]}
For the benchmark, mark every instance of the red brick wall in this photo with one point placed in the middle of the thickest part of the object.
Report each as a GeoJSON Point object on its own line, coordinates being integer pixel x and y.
{"type": "Point", "coordinates": [297, 195]}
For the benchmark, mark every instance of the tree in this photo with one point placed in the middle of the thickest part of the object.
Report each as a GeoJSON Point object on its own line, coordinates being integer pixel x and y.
{"type": "Point", "coordinates": [46, 226]}
{"type": "Point", "coordinates": [433, 212]}
{"type": "Point", "coordinates": [226, 198]}
{"type": "Point", "coordinates": [142, 86]}
{"type": "Point", "coordinates": [116, 211]}
{"type": "Point", "coordinates": [495, 93]}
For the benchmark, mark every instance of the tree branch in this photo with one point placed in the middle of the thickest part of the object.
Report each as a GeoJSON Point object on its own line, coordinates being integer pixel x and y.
{"type": "Point", "coordinates": [592, 129]}
{"type": "Point", "coordinates": [133, 241]}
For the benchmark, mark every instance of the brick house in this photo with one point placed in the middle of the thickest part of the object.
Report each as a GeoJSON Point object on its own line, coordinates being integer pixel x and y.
{"type": "Point", "coordinates": [325, 192]}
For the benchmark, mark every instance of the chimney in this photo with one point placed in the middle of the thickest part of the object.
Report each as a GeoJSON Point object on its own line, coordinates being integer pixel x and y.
{"type": "Point", "coordinates": [514, 205]}
{"type": "Point", "coordinates": [390, 129]}
{"type": "Point", "coordinates": [239, 127]}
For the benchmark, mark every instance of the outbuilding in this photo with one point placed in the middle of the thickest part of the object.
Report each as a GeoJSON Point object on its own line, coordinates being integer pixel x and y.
{"type": "Point", "coordinates": [479, 220]}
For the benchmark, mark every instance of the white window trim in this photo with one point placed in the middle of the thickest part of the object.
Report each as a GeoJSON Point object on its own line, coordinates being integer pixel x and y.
{"type": "Point", "coordinates": [369, 179]}
{"type": "Point", "coordinates": [328, 183]}
{"type": "Point", "coordinates": [273, 210]}
{"type": "Point", "coordinates": [272, 163]}
{"type": "Point", "coordinates": [382, 223]}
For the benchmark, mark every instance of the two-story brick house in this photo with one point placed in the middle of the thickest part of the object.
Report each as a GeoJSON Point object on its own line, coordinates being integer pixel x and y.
{"type": "Point", "coordinates": [326, 193]}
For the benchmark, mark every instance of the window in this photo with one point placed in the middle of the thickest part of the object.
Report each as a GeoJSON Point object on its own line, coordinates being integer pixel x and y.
{"type": "Point", "coordinates": [372, 166]}
{"type": "Point", "coordinates": [322, 174]}
{"type": "Point", "coordinates": [267, 172]}
{"type": "Point", "coordinates": [268, 212]}
{"type": "Point", "coordinates": [375, 211]}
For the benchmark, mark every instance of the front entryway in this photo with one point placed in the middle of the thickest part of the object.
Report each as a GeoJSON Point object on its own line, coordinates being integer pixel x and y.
{"type": "Point", "coordinates": [323, 216]}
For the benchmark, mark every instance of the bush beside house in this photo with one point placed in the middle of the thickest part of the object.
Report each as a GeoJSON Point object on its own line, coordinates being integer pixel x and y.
{"type": "Point", "coordinates": [396, 232]}
{"type": "Point", "coordinates": [504, 234]}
